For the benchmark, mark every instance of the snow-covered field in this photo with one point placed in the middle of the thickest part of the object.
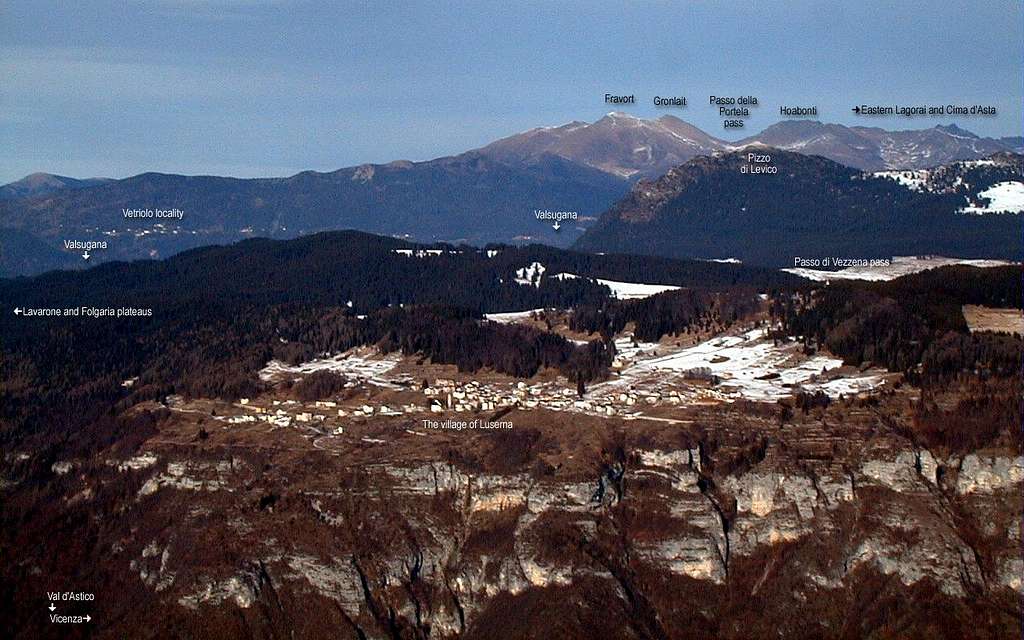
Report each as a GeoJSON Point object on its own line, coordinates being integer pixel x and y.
{"type": "Point", "coordinates": [532, 274]}
{"type": "Point", "coordinates": [915, 180]}
{"type": "Point", "coordinates": [634, 290]}
{"type": "Point", "coordinates": [360, 364]}
{"type": "Point", "coordinates": [626, 290]}
{"type": "Point", "coordinates": [511, 316]}
{"type": "Point", "coordinates": [1003, 197]}
{"type": "Point", "coordinates": [900, 266]}
{"type": "Point", "coordinates": [723, 260]}
{"type": "Point", "coordinates": [748, 366]}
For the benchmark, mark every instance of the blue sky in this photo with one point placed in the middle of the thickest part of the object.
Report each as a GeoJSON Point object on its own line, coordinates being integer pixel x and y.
{"type": "Point", "coordinates": [251, 88]}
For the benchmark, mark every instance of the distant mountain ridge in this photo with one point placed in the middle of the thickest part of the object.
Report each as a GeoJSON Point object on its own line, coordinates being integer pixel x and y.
{"type": "Point", "coordinates": [636, 148]}
{"type": "Point", "coordinates": [487, 195]}
{"type": "Point", "coordinates": [632, 147]}
{"type": "Point", "coordinates": [41, 184]}
{"type": "Point", "coordinates": [1016, 143]}
{"type": "Point", "coordinates": [618, 143]}
{"type": "Point", "coordinates": [875, 149]}
{"type": "Point", "coordinates": [465, 198]}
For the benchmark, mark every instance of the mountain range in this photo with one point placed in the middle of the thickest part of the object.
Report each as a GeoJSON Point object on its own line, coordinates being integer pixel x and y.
{"type": "Point", "coordinates": [635, 148]}
{"type": "Point", "coordinates": [466, 198]}
{"type": "Point", "coordinates": [874, 149]}
{"type": "Point", "coordinates": [491, 194]}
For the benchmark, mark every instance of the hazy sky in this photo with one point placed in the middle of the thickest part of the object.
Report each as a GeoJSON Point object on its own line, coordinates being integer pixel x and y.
{"type": "Point", "coordinates": [250, 88]}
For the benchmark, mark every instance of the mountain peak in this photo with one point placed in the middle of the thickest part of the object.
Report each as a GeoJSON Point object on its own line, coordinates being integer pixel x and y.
{"type": "Point", "coordinates": [634, 148]}
{"type": "Point", "coordinates": [39, 176]}
{"type": "Point", "coordinates": [956, 131]}
{"type": "Point", "coordinates": [618, 143]}
{"type": "Point", "coordinates": [621, 115]}
{"type": "Point", "coordinates": [41, 184]}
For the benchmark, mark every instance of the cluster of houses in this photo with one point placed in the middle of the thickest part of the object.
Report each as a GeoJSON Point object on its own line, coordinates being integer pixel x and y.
{"type": "Point", "coordinates": [449, 396]}
{"type": "Point", "coordinates": [283, 413]}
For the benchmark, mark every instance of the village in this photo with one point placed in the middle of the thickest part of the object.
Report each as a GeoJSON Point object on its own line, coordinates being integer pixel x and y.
{"type": "Point", "coordinates": [646, 381]}
{"type": "Point", "coordinates": [444, 396]}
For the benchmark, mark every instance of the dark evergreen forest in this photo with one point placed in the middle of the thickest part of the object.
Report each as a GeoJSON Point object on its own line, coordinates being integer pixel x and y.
{"type": "Point", "coordinates": [913, 324]}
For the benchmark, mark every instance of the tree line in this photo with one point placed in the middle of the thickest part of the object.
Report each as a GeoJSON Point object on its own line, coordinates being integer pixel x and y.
{"type": "Point", "coordinates": [913, 324]}
{"type": "Point", "coordinates": [667, 313]}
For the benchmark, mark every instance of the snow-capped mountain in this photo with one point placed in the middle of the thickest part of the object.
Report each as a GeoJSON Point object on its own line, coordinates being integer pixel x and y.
{"type": "Point", "coordinates": [618, 143]}
{"type": "Point", "coordinates": [875, 149]}
{"type": "Point", "coordinates": [634, 148]}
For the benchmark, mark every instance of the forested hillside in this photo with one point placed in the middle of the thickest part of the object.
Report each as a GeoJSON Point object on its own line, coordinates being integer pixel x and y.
{"type": "Point", "coordinates": [219, 314]}
{"type": "Point", "coordinates": [913, 324]}
{"type": "Point", "coordinates": [806, 207]}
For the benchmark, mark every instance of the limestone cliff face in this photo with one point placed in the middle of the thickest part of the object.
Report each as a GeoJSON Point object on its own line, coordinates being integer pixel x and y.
{"type": "Point", "coordinates": [648, 531]}
{"type": "Point", "coordinates": [470, 539]}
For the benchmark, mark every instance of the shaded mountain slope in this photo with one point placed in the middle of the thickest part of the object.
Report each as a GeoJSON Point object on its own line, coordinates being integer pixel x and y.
{"type": "Point", "coordinates": [812, 207]}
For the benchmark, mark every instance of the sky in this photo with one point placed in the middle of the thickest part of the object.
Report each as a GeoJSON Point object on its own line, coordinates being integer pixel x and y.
{"type": "Point", "coordinates": [268, 88]}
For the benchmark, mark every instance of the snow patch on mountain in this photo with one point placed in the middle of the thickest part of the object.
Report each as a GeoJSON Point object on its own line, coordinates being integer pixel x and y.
{"type": "Point", "coordinates": [512, 316]}
{"type": "Point", "coordinates": [625, 290]}
{"type": "Point", "coordinates": [748, 366]}
{"type": "Point", "coordinates": [530, 275]}
{"type": "Point", "coordinates": [1003, 197]}
{"type": "Point", "coordinates": [914, 180]}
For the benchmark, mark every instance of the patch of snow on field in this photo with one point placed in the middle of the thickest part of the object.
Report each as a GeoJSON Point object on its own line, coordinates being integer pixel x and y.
{"type": "Point", "coordinates": [748, 366]}
{"type": "Point", "coordinates": [900, 266]}
{"type": "Point", "coordinates": [1003, 197]}
{"type": "Point", "coordinates": [361, 364]}
{"type": "Point", "coordinates": [913, 180]}
{"type": "Point", "coordinates": [724, 260]}
{"type": "Point", "coordinates": [627, 348]}
{"type": "Point", "coordinates": [625, 290]}
{"type": "Point", "coordinates": [511, 316]}
{"type": "Point", "coordinates": [422, 253]}
{"type": "Point", "coordinates": [632, 290]}
{"type": "Point", "coordinates": [530, 275]}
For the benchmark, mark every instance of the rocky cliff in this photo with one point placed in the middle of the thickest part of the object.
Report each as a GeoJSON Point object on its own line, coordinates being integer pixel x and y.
{"type": "Point", "coordinates": [736, 525]}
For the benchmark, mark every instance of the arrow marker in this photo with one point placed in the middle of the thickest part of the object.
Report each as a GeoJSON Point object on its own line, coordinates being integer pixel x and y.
{"type": "Point", "coordinates": [17, 311]}
{"type": "Point", "coordinates": [52, 607]}
{"type": "Point", "coordinates": [88, 618]}
{"type": "Point", "coordinates": [556, 226]}
{"type": "Point", "coordinates": [86, 255]}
